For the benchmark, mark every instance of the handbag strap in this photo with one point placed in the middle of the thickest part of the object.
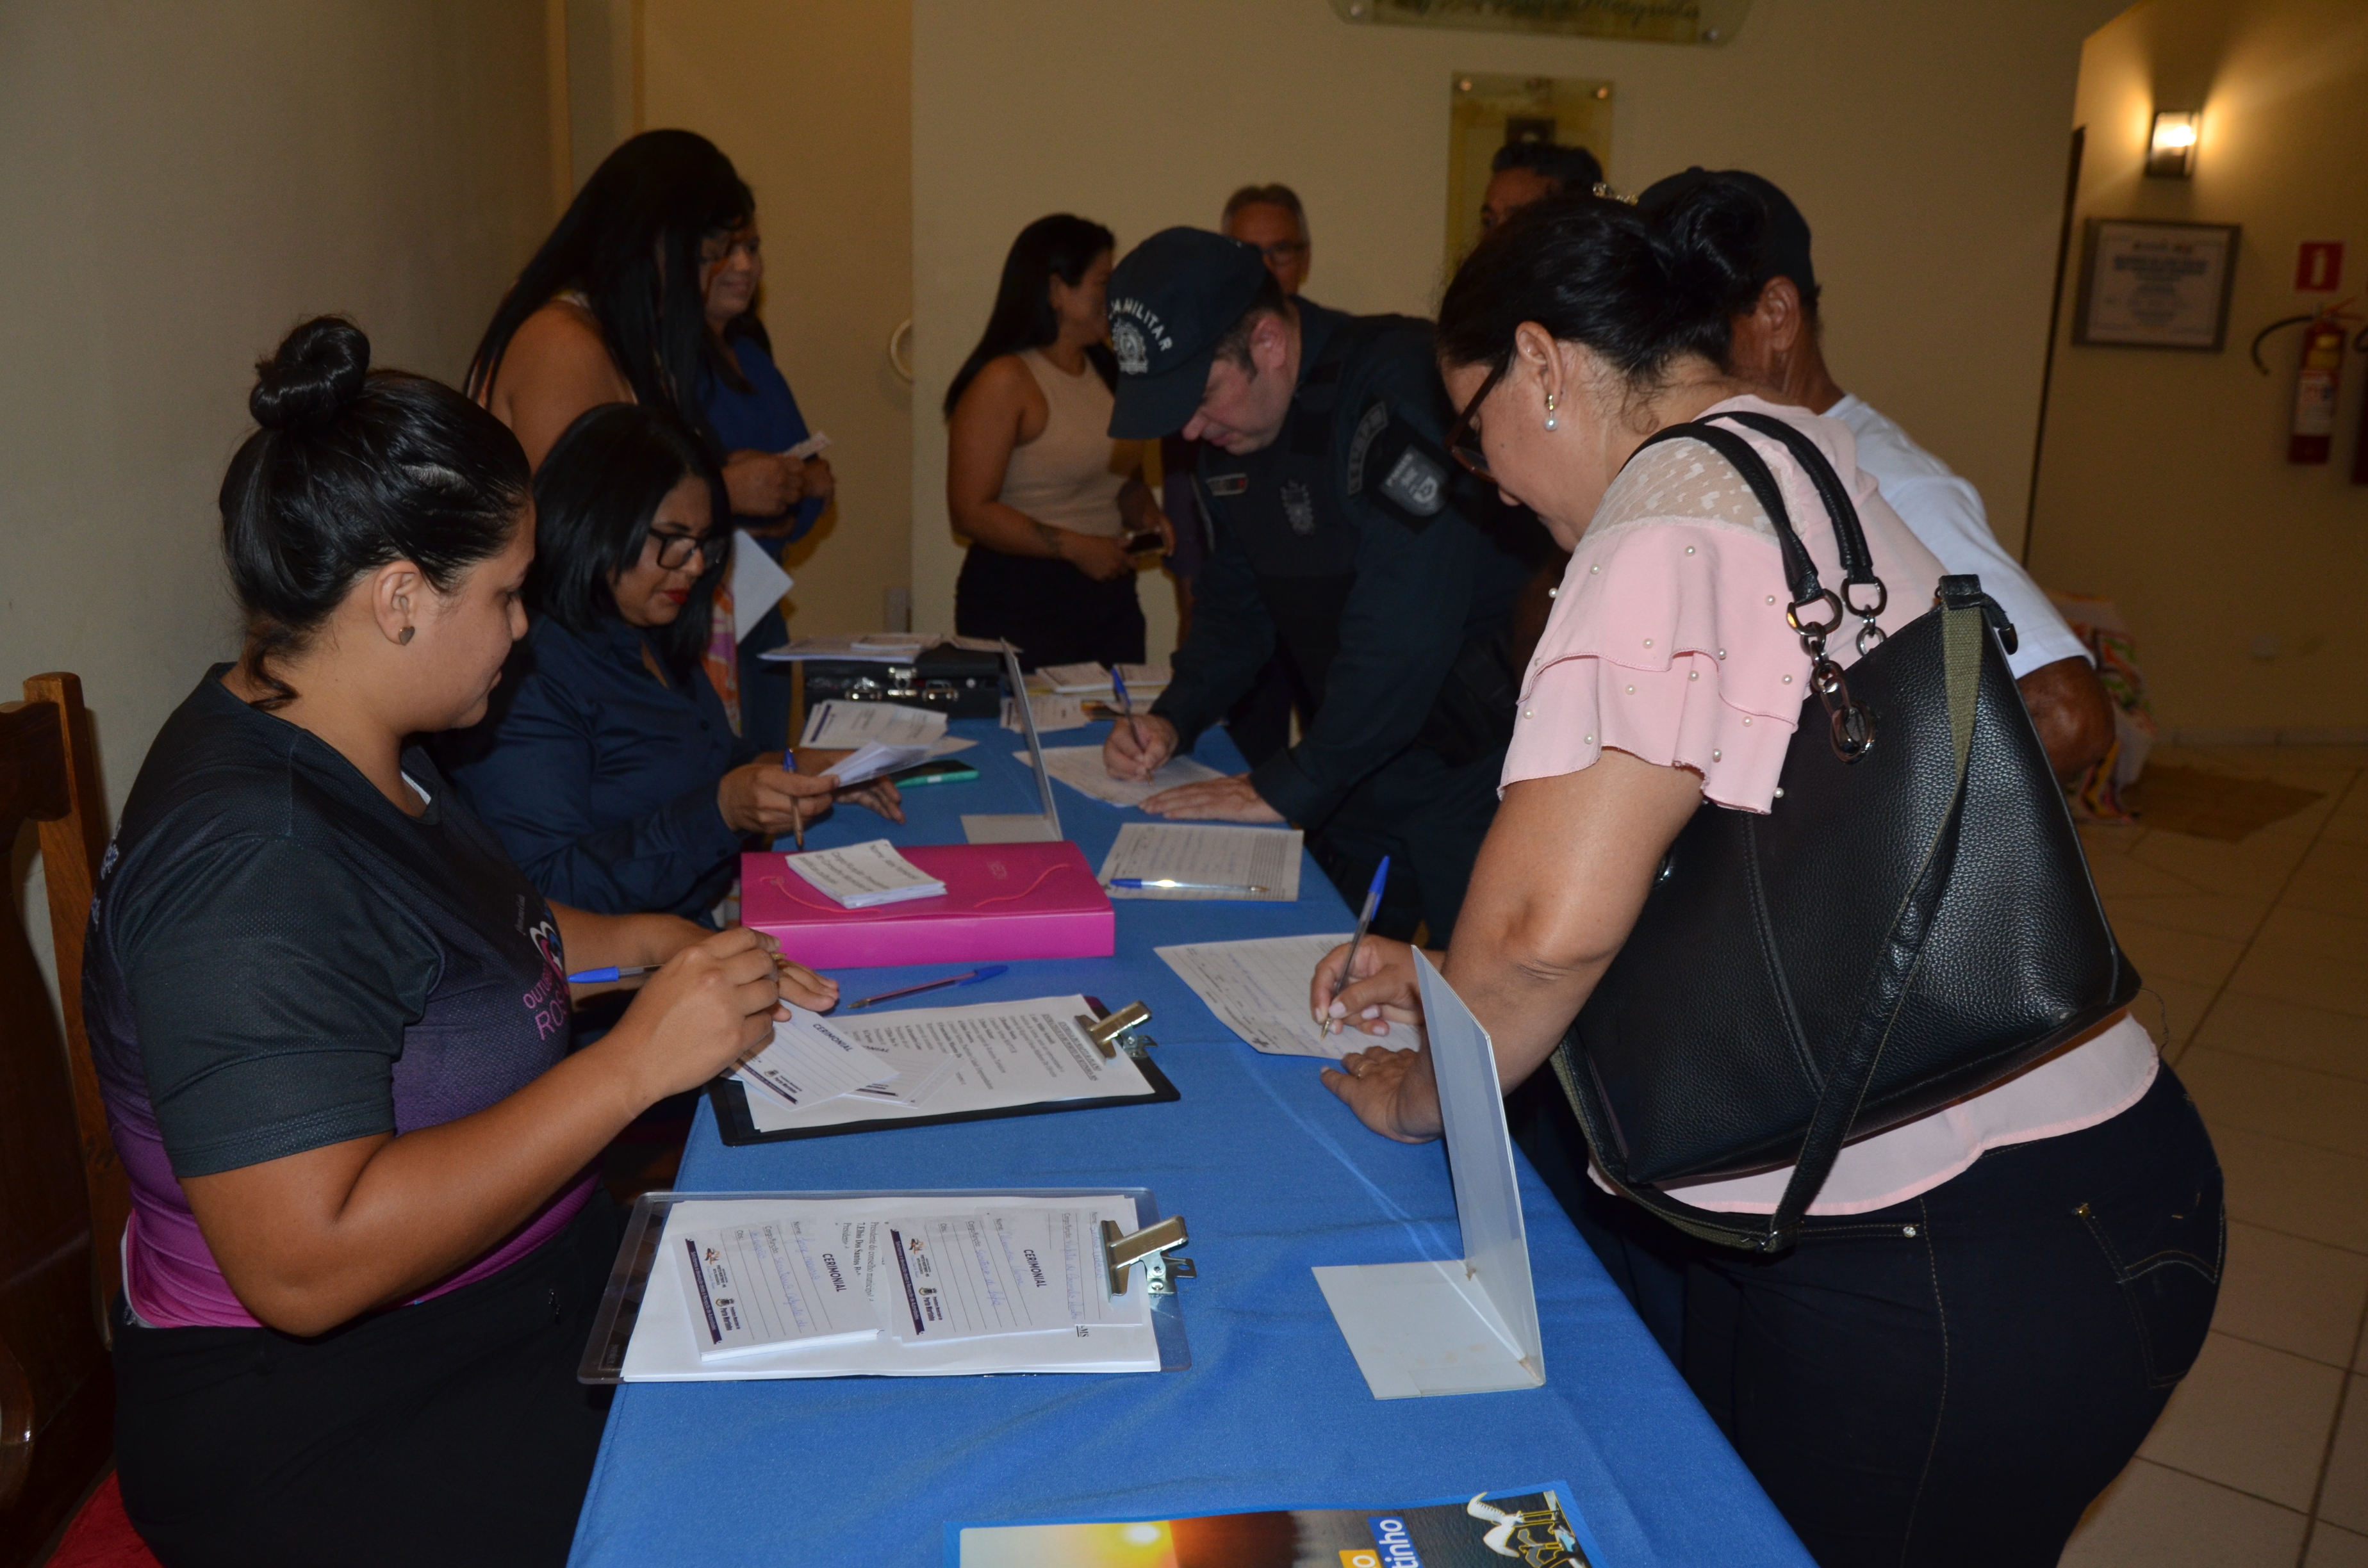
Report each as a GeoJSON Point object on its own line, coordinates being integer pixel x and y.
{"type": "Point", "coordinates": [1849, 538]}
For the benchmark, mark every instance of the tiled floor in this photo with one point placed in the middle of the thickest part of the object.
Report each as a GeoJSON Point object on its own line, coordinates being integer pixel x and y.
{"type": "Point", "coordinates": [2257, 957]}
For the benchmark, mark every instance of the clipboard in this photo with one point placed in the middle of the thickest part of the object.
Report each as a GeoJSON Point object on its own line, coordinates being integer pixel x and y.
{"type": "Point", "coordinates": [622, 1298]}
{"type": "Point", "coordinates": [738, 1130]}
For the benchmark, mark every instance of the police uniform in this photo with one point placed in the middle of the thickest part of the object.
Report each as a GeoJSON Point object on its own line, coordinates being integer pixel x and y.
{"type": "Point", "coordinates": [1353, 546]}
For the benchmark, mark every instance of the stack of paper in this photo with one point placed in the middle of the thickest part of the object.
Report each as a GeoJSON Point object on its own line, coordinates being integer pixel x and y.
{"type": "Point", "coordinates": [953, 1284]}
{"type": "Point", "coordinates": [1143, 681]}
{"type": "Point", "coordinates": [862, 875]}
{"type": "Point", "coordinates": [1051, 711]}
{"type": "Point", "coordinates": [1260, 864]}
{"type": "Point", "coordinates": [837, 725]}
{"type": "Point", "coordinates": [952, 1061]}
{"type": "Point", "coordinates": [1081, 768]}
{"type": "Point", "coordinates": [1259, 990]}
{"type": "Point", "coordinates": [880, 1284]}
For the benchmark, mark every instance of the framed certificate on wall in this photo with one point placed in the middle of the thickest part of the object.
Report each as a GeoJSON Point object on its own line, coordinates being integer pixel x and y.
{"type": "Point", "coordinates": [2156, 285]}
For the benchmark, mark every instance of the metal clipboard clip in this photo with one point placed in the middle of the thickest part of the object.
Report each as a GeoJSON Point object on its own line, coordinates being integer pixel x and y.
{"type": "Point", "coordinates": [1148, 1247]}
{"type": "Point", "coordinates": [1121, 1030]}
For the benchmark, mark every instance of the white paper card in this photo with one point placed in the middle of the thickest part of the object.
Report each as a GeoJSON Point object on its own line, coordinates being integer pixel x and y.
{"type": "Point", "coordinates": [1453, 1327]}
{"type": "Point", "coordinates": [809, 1062]}
{"type": "Point", "coordinates": [1051, 711]}
{"type": "Point", "coordinates": [1258, 990]}
{"type": "Point", "coordinates": [813, 445]}
{"type": "Point", "coordinates": [872, 759]}
{"type": "Point", "coordinates": [863, 875]}
{"type": "Point", "coordinates": [839, 725]}
{"type": "Point", "coordinates": [1080, 768]}
{"type": "Point", "coordinates": [757, 584]}
{"type": "Point", "coordinates": [1228, 859]}
{"type": "Point", "coordinates": [762, 1287]}
{"type": "Point", "coordinates": [1090, 679]}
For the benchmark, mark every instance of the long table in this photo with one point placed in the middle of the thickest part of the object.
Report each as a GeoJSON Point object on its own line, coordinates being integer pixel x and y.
{"type": "Point", "coordinates": [1273, 1175]}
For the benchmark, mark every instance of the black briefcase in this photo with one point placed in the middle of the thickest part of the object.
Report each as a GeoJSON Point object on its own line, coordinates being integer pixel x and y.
{"type": "Point", "coordinates": [960, 683]}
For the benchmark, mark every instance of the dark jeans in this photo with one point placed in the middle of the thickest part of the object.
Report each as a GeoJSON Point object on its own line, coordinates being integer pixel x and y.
{"type": "Point", "coordinates": [1428, 818]}
{"type": "Point", "coordinates": [1952, 1380]}
{"type": "Point", "coordinates": [452, 1431]}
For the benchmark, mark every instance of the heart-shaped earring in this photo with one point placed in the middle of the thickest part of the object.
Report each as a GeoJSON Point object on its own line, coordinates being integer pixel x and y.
{"type": "Point", "coordinates": [1550, 410]}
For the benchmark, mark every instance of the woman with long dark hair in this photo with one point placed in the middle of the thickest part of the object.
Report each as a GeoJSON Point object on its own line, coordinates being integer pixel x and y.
{"type": "Point", "coordinates": [606, 763]}
{"type": "Point", "coordinates": [330, 1021]}
{"type": "Point", "coordinates": [1050, 503]}
{"type": "Point", "coordinates": [1987, 1304]}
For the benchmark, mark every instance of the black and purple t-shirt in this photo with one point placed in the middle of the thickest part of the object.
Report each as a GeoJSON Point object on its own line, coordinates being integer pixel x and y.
{"type": "Point", "coordinates": [281, 959]}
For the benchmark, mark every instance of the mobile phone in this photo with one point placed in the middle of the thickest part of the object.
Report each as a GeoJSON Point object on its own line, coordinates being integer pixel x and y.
{"type": "Point", "coordinates": [1135, 544]}
{"type": "Point", "coordinates": [945, 770]}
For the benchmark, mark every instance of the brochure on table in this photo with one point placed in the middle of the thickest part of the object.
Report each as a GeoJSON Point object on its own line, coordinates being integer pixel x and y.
{"type": "Point", "coordinates": [1540, 1526]}
{"type": "Point", "coordinates": [1460, 1327]}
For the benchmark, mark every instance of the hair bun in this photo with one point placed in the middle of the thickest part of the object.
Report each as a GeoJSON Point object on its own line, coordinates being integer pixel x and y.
{"type": "Point", "coordinates": [317, 369]}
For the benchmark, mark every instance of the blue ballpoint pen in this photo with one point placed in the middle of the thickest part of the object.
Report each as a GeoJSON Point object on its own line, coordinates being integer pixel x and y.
{"type": "Point", "coordinates": [1126, 706]}
{"type": "Point", "coordinates": [1364, 918]}
{"type": "Point", "coordinates": [596, 976]}
{"type": "Point", "coordinates": [1156, 883]}
{"type": "Point", "coordinates": [973, 978]}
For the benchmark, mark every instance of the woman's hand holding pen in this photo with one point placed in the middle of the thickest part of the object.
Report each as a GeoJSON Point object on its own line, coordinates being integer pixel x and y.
{"type": "Point", "coordinates": [764, 797]}
{"type": "Point", "coordinates": [1382, 992]}
{"type": "Point", "coordinates": [707, 1009]}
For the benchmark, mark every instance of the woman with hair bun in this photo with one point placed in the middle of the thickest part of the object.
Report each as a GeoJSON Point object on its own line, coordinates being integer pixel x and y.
{"type": "Point", "coordinates": [329, 1019]}
{"type": "Point", "coordinates": [1988, 1305]}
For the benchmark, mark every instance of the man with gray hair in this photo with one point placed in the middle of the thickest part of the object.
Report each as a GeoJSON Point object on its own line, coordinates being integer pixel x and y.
{"type": "Point", "coordinates": [1270, 217]}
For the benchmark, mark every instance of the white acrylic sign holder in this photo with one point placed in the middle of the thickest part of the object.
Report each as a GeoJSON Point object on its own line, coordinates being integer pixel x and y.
{"type": "Point", "coordinates": [1471, 1325]}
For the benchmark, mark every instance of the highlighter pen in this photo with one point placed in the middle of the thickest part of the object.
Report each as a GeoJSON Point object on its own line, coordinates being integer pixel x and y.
{"type": "Point", "coordinates": [596, 976]}
{"type": "Point", "coordinates": [1141, 882]}
{"type": "Point", "coordinates": [1126, 706]}
{"type": "Point", "coordinates": [971, 978]}
{"type": "Point", "coordinates": [1364, 918]}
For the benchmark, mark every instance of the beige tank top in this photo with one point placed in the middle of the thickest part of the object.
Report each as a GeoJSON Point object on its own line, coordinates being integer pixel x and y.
{"type": "Point", "coordinates": [1070, 475]}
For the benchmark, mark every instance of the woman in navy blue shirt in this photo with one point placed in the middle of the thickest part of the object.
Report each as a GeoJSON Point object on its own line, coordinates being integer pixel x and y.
{"type": "Point", "coordinates": [606, 767]}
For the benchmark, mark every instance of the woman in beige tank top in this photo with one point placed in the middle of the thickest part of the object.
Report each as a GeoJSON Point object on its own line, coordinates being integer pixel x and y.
{"type": "Point", "coordinates": [1047, 499]}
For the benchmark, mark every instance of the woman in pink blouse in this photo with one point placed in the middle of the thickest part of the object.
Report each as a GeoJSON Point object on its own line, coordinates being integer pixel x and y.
{"type": "Point", "coordinates": [1988, 1306]}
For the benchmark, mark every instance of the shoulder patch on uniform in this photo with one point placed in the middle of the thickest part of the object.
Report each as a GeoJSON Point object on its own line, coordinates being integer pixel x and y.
{"type": "Point", "coordinates": [1416, 483]}
{"type": "Point", "coordinates": [1375, 420]}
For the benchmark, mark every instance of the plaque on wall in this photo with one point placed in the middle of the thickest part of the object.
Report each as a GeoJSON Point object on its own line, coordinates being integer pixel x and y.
{"type": "Point", "coordinates": [2156, 285]}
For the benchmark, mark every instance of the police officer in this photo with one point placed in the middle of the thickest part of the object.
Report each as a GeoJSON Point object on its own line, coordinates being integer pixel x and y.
{"type": "Point", "coordinates": [1343, 537]}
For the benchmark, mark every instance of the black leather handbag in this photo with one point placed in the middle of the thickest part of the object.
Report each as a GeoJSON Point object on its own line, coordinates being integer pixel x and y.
{"type": "Point", "coordinates": [1912, 922]}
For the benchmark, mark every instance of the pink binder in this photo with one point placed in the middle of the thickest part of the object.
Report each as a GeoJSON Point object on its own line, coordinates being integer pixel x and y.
{"type": "Point", "coordinates": [1002, 900]}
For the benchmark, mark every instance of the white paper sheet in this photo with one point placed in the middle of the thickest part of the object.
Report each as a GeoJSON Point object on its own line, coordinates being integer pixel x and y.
{"type": "Point", "coordinates": [769, 1285]}
{"type": "Point", "coordinates": [838, 725]}
{"type": "Point", "coordinates": [757, 584]}
{"type": "Point", "coordinates": [872, 759]}
{"type": "Point", "coordinates": [1002, 1054]}
{"type": "Point", "coordinates": [1141, 680]}
{"type": "Point", "coordinates": [1258, 990]}
{"type": "Point", "coordinates": [1053, 713]}
{"type": "Point", "coordinates": [809, 1061]}
{"type": "Point", "coordinates": [871, 647]}
{"type": "Point", "coordinates": [1080, 768]}
{"type": "Point", "coordinates": [863, 875]}
{"type": "Point", "coordinates": [664, 1347]}
{"type": "Point", "coordinates": [813, 445]}
{"type": "Point", "coordinates": [1228, 858]}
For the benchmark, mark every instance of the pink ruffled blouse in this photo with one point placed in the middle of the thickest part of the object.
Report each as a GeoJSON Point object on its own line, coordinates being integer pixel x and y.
{"type": "Point", "coordinates": [1668, 642]}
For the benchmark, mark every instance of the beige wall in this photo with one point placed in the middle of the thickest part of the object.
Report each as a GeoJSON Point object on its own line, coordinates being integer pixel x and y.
{"type": "Point", "coordinates": [181, 184]}
{"type": "Point", "coordinates": [813, 101]}
{"type": "Point", "coordinates": [2165, 484]}
{"type": "Point", "coordinates": [1925, 138]}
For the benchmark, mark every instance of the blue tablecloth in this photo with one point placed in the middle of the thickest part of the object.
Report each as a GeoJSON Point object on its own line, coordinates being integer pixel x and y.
{"type": "Point", "coordinates": [1273, 1175]}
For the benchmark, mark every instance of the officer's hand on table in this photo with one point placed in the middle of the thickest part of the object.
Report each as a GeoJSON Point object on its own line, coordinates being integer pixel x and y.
{"type": "Point", "coordinates": [1213, 799]}
{"type": "Point", "coordinates": [1134, 749]}
{"type": "Point", "coordinates": [1382, 992]}
{"type": "Point", "coordinates": [1097, 555]}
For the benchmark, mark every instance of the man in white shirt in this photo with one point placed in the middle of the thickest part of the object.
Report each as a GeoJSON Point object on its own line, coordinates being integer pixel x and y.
{"type": "Point", "coordinates": [1776, 346]}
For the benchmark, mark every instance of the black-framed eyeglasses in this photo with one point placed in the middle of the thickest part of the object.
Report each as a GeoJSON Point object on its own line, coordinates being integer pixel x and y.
{"type": "Point", "coordinates": [1463, 439]}
{"type": "Point", "coordinates": [675, 550]}
{"type": "Point", "coordinates": [1284, 250]}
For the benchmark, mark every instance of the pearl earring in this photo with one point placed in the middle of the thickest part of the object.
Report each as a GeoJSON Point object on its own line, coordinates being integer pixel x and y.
{"type": "Point", "coordinates": [1550, 410]}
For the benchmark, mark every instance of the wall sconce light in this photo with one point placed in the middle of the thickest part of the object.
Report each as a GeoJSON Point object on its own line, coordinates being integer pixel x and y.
{"type": "Point", "coordinates": [2170, 150]}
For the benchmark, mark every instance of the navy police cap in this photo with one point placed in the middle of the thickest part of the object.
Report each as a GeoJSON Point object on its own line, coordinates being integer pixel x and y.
{"type": "Point", "coordinates": [1170, 301]}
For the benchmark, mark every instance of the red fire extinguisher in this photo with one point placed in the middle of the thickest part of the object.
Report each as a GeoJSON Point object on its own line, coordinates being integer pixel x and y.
{"type": "Point", "coordinates": [2316, 388]}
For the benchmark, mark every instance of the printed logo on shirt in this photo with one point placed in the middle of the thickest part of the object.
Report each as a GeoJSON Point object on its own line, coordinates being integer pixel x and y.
{"type": "Point", "coordinates": [1298, 508]}
{"type": "Point", "coordinates": [1133, 350]}
{"type": "Point", "coordinates": [1417, 485]}
{"type": "Point", "coordinates": [548, 1000]}
{"type": "Point", "coordinates": [1368, 430]}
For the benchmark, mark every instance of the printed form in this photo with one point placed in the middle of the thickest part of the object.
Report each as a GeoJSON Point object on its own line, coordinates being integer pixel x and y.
{"type": "Point", "coordinates": [1080, 768]}
{"type": "Point", "coordinates": [992, 1056]}
{"type": "Point", "coordinates": [837, 724]}
{"type": "Point", "coordinates": [863, 875]}
{"type": "Point", "coordinates": [1258, 990]}
{"type": "Point", "coordinates": [1226, 860]}
{"type": "Point", "coordinates": [902, 1286]}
